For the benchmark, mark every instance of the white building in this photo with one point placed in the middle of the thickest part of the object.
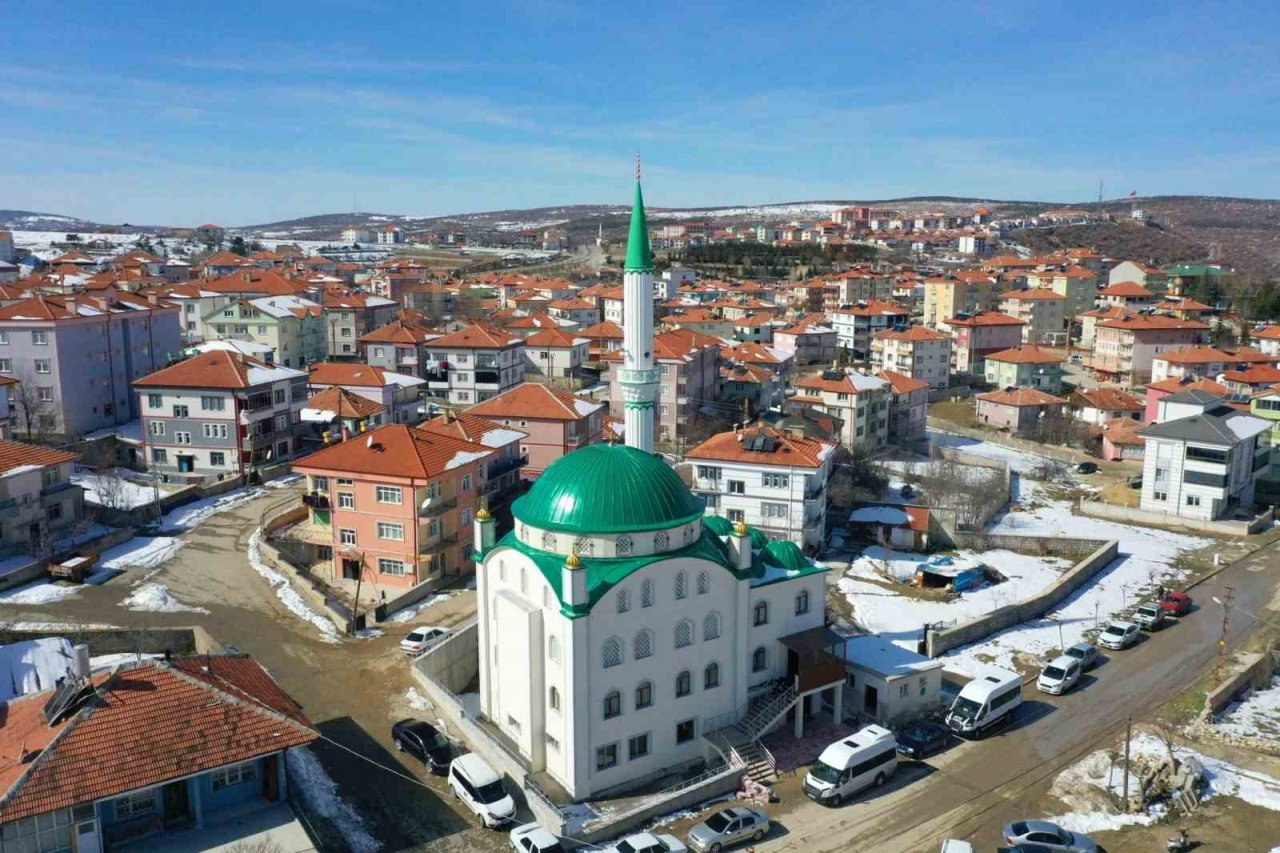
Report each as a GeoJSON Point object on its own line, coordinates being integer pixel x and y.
{"type": "Point", "coordinates": [772, 480]}
{"type": "Point", "coordinates": [474, 364]}
{"type": "Point", "coordinates": [917, 351]}
{"type": "Point", "coordinates": [618, 627]}
{"type": "Point", "coordinates": [861, 401]}
{"type": "Point", "coordinates": [972, 244]}
{"type": "Point", "coordinates": [357, 234]}
{"type": "Point", "coordinates": [390, 235]}
{"type": "Point", "coordinates": [1202, 457]}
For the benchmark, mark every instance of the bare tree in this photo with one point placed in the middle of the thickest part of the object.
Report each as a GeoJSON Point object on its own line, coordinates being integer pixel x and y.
{"type": "Point", "coordinates": [33, 411]}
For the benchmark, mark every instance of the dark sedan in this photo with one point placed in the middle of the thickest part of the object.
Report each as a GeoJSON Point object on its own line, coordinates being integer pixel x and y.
{"type": "Point", "coordinates": [423, 741]}
{"type": "Point", "coordinates": [921, 740]}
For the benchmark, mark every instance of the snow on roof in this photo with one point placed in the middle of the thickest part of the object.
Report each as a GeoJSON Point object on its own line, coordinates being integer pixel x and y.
{"type": "Point", "coordinates": [247, 347]}
{"type": "Point", "coordinates": [462, 457]}
{"type": "Point", "coordinates": [584, 407]}
{"type": "Point", "coordinates": [33, 666]}
{"type": "Point", "coordinates": [402, 379]}
{"type": "Point", "coordinates": [875, 653]}
{"type": "Point", "coordinates": [879, 515]}
{"type": "Point", "coordinates": [271, 373]}
{"type": "Point", "coordinates": [500, 437]}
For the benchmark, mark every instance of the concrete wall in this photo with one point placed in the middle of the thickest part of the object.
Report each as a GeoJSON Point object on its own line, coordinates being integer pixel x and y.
{"type": "Point", "coordinates": [1256, 670]}
{"type": "Point", "coordinates": [1133, 515]}
{"type": "Point", "coordinates": [180, 641]}
{"type": "Point", "coordinates": [1038, 545]}
{"type": "Point", "coordinates": [726, 782]}
{"type": "Point", "coordinates": [1033, 607]}
{"type": "Point", "coordinates": [312, 590]}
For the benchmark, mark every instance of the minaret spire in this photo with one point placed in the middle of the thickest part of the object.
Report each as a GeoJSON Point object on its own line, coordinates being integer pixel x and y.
{"type": "Point", "coordinates": [638, 376]}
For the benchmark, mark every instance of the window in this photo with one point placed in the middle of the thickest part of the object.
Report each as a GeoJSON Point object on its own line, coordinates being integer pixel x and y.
{"type": "Point", "coordinates": [684, 731]}
{"type": "Point", "coordinates": [623, 546]}
{"type": "Point", "coordinates": [1162, 474]}
{"type": "Point", "coordinates": [584, 545]}
{"type": "Point", "coordinates": [346, 500]}
{"type": "Point", "coordinates": [346, 536]}
{"type": "Point", "coordinates": [903, 689]}
{"type": "Point", "coordinates": [159, 455]}
{"type": "Point", "coordinates": [711, 676]}
{"type": "Point", "coordinates": [182, 437]}
{"type": "Point", "coordinates": [775, 481]}
{"type": "Point", "coordinates": [638, 747]}
{"type": "Point", "coordinates": [684, 684]}
{"type": "Point", "coordinates": [761, 613]}
{"type": "Point", "coordinates": [553, 648]}
{"type": "Point", "coordinates": [646, 593]}
{"type": "Point", "coordinates": [55, 512]}
{"type": "Point", "coordinates": [40, 338]}
{"type": "Point", "coordinates": [1193, 500]}
{"type": "Point", "coordinates": [708, 472]}
{"type": "Point", "coordinates": [611, 653]}
{"type": "Point", "coordinates": [548, 540]}
{"type": "Point", "coordinates": [773, 510]}
{"type": "Point", "coordinates": [661, 540]}
{"type": "Point", "coordinates": [133, 805]}
{"type": "Point", "coordinates": [607, 756]}
{"type": "Point", "coordinates": [623, 600]}
{"type": "Point", "coordinates": [155, 401]}
{"type": "Point", "coordinates": [924, 686]}
{"type": "Point", "coordinates": [44, 393]}
{"type": "Point", "coordinates": [643, 646]}
{"type": "Point", "coordinates": [213, 404]}
{"type": "Point", "coordinates": [236, 774]}
{"type": "Point", "coordinates": [682, 584]}
{"type": "Point", "coordinates": [684, 633]}
{"type": "Point", "coordinates": [644, 695]}
{"type": "Point", "coordinates": [711, 626]}
{"type": "Point", "coordinates": [612, 704]}
{"type": "Point", "coordinates": [344, 481]}
{"type": "Point", "coordinates": [155, 427]}
{"type": "Point", "coordinates": [1160, 496]}
{"type": "Point", "coordinates": [553, 699]}
{"type": "Point", "coordinates": [180, 411]}
{"type": "Point", "coordinates": [802, 602]}
{"type": "Point", "coordinates": [387, 530]}
{"type": "Point", "coordinates": [278, 396]}
{"type": "Point", "coordinates": [6, 365]}
{"type": "Point", "coordinates": [215, 430]}
{"type": "Point", "coordinates": [388, 495]}
{"type": "Point", "coordinates": [282, 421]}
{"type": "Point", "coordinates": [704, 582]}
{"type": "Point", "coordinates": [4, 337]}
{"type": "Point", "coordinates": [759, 660]}
{"type": "Point", "coordinates": [42, 365]}
{"type": "Point", "coordinates": [466, 482]}
{"type": "Point", "coordinates": [737, 487]}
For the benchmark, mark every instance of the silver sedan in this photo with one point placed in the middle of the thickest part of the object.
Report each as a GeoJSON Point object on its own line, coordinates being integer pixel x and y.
{"type": "Point", "coordinates": [728, 827]}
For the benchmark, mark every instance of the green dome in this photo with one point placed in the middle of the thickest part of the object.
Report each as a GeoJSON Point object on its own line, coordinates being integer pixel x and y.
{"type": "Point", "coordinates": [605, 488]}
{"type": "Point", "coordinates": [759, 538]}
{"type": "Point", "coordinates": [718, 524]}
{"type": "Point", "coordinates": [786, 554]}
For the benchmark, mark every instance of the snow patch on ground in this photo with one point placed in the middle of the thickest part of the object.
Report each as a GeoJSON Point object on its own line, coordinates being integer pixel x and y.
{"type": "Point", "coordinates": [156, 598]}
{"type": "Point", "coordinates": [411, 612]}
{"type": "Point", "coordinates": [101, 662]}
{"type": "Point", "coordinates": [189, 516]}
{"type": "Point", "coordinates": [109, 488]}
{"type": "Point", "coordinates": [1256, 716]}
{"type": "Point", "coordinates": [1020, 461]}
{"type": "Point", "coordinates": [40, 592]}
{"type": "Point", "coordinates": [416, 700]}
{"type": "Point", "coordinates": [140, 552]}
{"type": "Point", "coordinates": [288, 596]}
{"type": "Point", "coordinates": [320, 793]}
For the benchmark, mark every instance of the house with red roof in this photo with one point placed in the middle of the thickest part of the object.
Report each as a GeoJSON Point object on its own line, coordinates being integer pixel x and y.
{"type": "Point", "coordinates": [556, 356]}
{"type": "Point", "coordinates": [1198, 362]}
{"type": "Point", "coordinates": [171, 754]}
{"type": "Point", "coordinates": [399, 394]}
{"type": "Point", "coordinates": [502, 481]}
{"type": "Point", "coordinates": [810, 339]}
{"type": "Point", "coordinates": [349, 316]}
{"type": "Point", "coordinates": [1042, 310]}
{"type": "Point", "coordinates": [916, 351]}
{"type": "Point", "coordinates": [1017, 409]}
{"type": "Point", "coordinates": [1027, 366]}
{"type": "Point", "coordinates": [975, 336]}
{"type": "Point", "coordinates": [1124, 347]}
{"type": "Point", "coordinates": [475, 363]}
{"type": "Point", "coordinates": [41, 504]}
{"type": "Point", "coordinates": [403, 345]}
{"type": "Point", "coordinates": [1126, 294]}
{"type": "Point", "coordinates": [555, 422]}
{"type": "Point", "coordinates": [1101, 405]}
{"type": "Point", "coordinates": [908, 408]}
{"type": "Point", "coordinates": [860, 400]}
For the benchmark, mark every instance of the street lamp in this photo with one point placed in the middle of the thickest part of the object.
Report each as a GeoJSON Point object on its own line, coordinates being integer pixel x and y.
{"type": "Point", "coordinates": [1057, 617]}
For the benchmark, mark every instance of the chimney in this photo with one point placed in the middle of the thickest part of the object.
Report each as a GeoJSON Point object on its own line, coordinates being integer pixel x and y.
{"type": "Point", "coordinates": [153, 297]}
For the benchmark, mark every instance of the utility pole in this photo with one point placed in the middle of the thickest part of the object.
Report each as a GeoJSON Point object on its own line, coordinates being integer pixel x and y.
{"type": "Point", "coordinates": [1227, 598]}
{"type": "Point", "coordinates": [1128, 736]}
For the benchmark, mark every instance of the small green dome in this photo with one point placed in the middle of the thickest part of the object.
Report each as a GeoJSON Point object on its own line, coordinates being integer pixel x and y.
{"type": "Point", "coordinates": [786, 554]}
{"type": "Point", "coordinates": [718, 524]}
{"type": "Point", "coordinates": [604, 488]}
{"type": "Point", "coordinates": [759, 538]}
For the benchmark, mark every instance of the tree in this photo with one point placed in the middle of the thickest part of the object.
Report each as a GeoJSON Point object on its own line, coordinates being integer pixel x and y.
{"type": "Point", "coordinates": [238, 246]}
{"type": "Point", "coordinates": [855, 478]}
{"type": "Point", "coordinates": [34, 413]}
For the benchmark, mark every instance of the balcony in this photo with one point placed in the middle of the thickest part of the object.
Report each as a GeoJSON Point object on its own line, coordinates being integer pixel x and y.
{"type": "Point", "coordinates": [432, 507]}
{"type": "Point", "coordinates": [316, 500]}
{"type": "Point", "coordinates": [488, 377]}
{"type": "Point", "coordinates": [498, 468]}
{"type": "Point", "coordinates": [436, 545]}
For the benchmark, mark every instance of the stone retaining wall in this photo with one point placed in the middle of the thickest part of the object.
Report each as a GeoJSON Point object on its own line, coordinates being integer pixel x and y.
{"type": "Point", "coordinates": [312, 589]}
{"type": "Point", "coordinates": [109, 641]}
{"type": "Point", "coordinates": [1134, 515]}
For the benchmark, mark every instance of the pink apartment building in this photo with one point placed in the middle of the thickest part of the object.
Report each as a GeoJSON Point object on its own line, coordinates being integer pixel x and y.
{"type": "Point", "coordinates": [1124, 348]}
{"type": "Point", "coordinates": [555, 421]}
{"type": "Point", "coordinates": [975, 336]}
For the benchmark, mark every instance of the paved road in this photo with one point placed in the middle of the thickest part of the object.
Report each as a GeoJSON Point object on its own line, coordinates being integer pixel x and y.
{"type": "Point", "coordinates": [971, 790]}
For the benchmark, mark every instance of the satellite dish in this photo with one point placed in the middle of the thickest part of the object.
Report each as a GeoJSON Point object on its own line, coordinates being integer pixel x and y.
{"type": "Point", "coordinates": [368, 442]}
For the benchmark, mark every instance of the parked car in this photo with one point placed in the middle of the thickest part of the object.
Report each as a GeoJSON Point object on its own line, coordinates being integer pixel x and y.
{"type": "Point", "coordinates": [420, 639]}
{"type": "Point", "coordinates": [421, 740]}
{"type": "Point", "coordinates": [1086, 653]}
{"type": "Point", "coordinates": [532, 838]}
{"type": "Point", "coordinates": [921, 740]}
{"type": "Point", "coordinates": [1150, 616]}
{"type": "Point", "coordinates": [647, 842]}
{"type": "Point", "coordinates": [1049, 835]}
{"type": "Point", "coordinates": [1087, 468]}
{"type": "Point", "coordinates": [1059, 675]}
{"type": "Point", "coordinates": [1118, 635]}
{"type": "Point", "coordinates": [728, 827]}
{"type": "Point", "coordinates": [1176, 603]}
{"type": "Point", "coordinates": [953, 845]}
{"type": "Point", "coordinates": [478, 785]}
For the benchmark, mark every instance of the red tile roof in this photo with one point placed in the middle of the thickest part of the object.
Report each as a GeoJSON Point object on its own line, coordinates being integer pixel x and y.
{"type": "Point", "coordinates": [478, 336]}
{"type": "Point", "coordinates": [1252, 355]}
{"type": "Point", "coordinates": [985, 318]}
{"type": "Point", "coordinates": [1194, 355]}
{"type": "Point", "coordinates": [147, 725]}
{"type": "Point", "coordinates": [399, 331]}
{"type": "Point", "coordinates": [873, 308]}
{"type": "Point", "coordinates": [347, 373]}
{"type": "Point", "coordinates": [1151, 321]}
{"type": "Point", "coordinates": [394, 450]}
{"type": "Point", "coordinates": [552, 338]}
{"type": "Point", "coordinates": [533, 402]}
{"type": "Point", "coordinates": [14, 454]}
{"type": "Point", "coordinates": [344, 404]}
{"type": "Point", "coordinates": [466, 426]}
{"type": "Point", "coordinates": [1020, 397]}
{"type": "Point", "coordinates": [1026, 354]}
{"type": "Point", "coordinates": [214, 369]}
{"type": "Point", "coordinates": [605, 330]}
{"type": "Point", "coordinates": [912, 333]}
{"type": "Point", "coordinates": [1109, 399]}
{"type": "Point", "coordinates": [1126, 288]}
{"type": "Point", "coordinates": [1032, 294]}
{"type": "Point", "coordinates": [787, 450]}
{"type": "Point", "coordinates": [1182, 383]}
{"type": "Point", "coordinates": [903, 384]}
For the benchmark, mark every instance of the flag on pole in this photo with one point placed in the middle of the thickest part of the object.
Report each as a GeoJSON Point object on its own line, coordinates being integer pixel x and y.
{"type": "Point", "coordinates": [1133, 194]}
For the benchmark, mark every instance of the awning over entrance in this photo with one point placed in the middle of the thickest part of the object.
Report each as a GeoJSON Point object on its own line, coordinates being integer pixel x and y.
{"type": "Point", "coordinates": [816, 659]}
{"type": "Point", "coordinates": [814, 640]}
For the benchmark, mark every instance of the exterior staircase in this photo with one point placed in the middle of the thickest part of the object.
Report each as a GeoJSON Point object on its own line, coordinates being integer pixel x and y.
{"type": "Point", "coordinates": [759, 768]}
{"type": "Point", "coordinates": [765, 712]}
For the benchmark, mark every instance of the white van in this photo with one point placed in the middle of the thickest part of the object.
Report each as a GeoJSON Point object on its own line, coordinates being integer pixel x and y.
{"type": "Point", "coordinates": [477, 784]}
{"type": "Point", "coordinates": [868, 757]}
{"type": "Point", "coordinates": [984, 702]}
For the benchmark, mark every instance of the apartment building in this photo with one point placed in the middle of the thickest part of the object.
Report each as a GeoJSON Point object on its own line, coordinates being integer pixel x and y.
{"type": "Point", "coordinates": [771, 479]}
{"type": "Point", "coordinates": [75, 356]}
{"type": "Point", "coordinates": [1152, 278]}
{"type": "Point", "coordinates": [193, 302]}
{"type": "Point", "coordinates": [858, 399]}
{"type": "Point", "coordinates": [292, 326]}
{"type": "Point", "coordinates": [690, 374]}
{"type": "Point", "coordinates": [917, 351]}
{"type": "Point", "coordinates": [1027, 366]}
{"type": "Point", "coordinates": [861, 285]}
{"type": "Point", "coordinates": [1192, 362]}
{"type": "Point", "coordinates": [970, 292]}
{"type": "Point", "coordinates": [1042, 312]}
{"type": "Point", "coordinates": [1076, 284]}
{"type": "Point", "coordinates": [403, 345]}
{"type": "Point", "coordinates": [474, 364]}
{"type": "Point", "coordinates": [1125, 347]}
{"type": "Point", "coordinates": [975, 336]}
{"type": "Point", "coordinates": [856, 324]}
{"type": "Point", "coordinates": [351, 316]}
{"type": "Point", "coordinates": [502, 480]}
{"type": "Point", "coordinates": [1126, 294]}
{"type": "Point", "coordinates": [555, 422]}
{"type": "Point", "coordinates": [396, 505]}
{"type": "Point", "coordinates": [220, 414]}
{"type": "Point", "coordinates": [555, 356]}
{"type": "Point", "coordinates": [908, 408]}
{"type": "Point", "coordinates": [399, 393]}
{"type": "Point", "coordinates": [809, 341]}
{"type": "Point", "coordinates": [38, 502]}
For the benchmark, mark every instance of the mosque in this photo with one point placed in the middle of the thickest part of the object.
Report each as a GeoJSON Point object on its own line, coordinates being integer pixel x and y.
{"type": "Point", "coordinates": [619, 627]}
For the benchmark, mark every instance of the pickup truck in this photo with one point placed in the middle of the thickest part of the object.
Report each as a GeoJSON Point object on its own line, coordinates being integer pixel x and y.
{"type": "Point", "coordinates": [1150, 616]}
{"type": "Point", "coordinates": [1176, 603]}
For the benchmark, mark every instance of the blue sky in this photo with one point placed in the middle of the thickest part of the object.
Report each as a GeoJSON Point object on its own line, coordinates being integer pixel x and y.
{"type": "Point", "coordinates": [245, 113]}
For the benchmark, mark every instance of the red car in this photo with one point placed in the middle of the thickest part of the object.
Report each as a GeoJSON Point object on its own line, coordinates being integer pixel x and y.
{"type": "Point", "coordinates": [1176, 603]}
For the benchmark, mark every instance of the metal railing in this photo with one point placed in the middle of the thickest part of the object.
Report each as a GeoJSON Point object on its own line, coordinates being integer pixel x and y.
{"type": "Point", "coordinates": [735, 764]}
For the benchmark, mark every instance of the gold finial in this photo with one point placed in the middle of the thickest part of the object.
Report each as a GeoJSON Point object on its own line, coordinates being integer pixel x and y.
{"type": "Point", "coordinates": [482, 514]}
{"type": "Point", "coordinates": [572, 560]}
{"type": "Point", "coordinates": [740, 528]}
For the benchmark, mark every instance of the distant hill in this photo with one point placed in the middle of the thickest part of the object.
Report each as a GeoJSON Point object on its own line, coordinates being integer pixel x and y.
{"type": "Point", "coordinates": [30, 220]}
